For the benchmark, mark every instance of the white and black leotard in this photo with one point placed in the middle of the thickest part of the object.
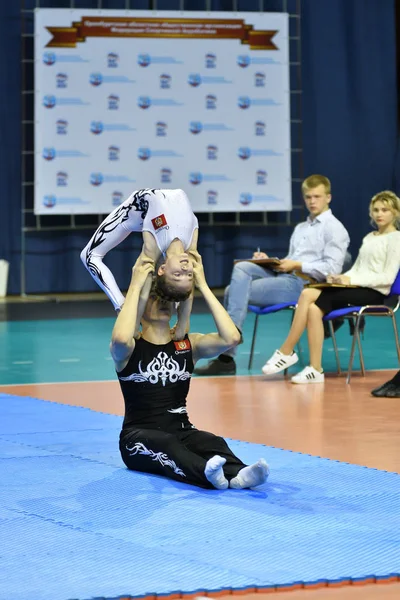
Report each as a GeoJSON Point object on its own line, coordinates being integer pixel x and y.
{"type": "Point", "coordinates": [166, 214]}
{"type": "Point", "coordinates": [157, 436]}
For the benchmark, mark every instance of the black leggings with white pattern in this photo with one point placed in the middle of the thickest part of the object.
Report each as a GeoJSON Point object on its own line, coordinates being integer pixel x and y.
{"type": "Point", "coordinates": [181, 455]}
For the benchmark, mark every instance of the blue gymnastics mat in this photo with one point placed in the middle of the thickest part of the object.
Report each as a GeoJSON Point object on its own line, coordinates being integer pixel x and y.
{"type": "Point", "coordinates": [75, 524]}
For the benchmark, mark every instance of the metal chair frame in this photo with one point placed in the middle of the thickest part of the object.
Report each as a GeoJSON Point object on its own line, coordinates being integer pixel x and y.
{"type": "Point", "coordinates": [255, 310]}
{"type": "Point", "coordinates": [365, 311]}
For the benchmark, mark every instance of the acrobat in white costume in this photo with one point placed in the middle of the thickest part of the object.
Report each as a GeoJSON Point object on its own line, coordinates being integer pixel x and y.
{"type": "Point", "coordinates": [166, 214]}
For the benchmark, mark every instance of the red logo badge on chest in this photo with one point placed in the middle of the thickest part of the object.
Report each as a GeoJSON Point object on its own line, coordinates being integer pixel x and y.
{"type": "Point", "coordinates": [182, 345]}
{"type": "Point", "coordinates": [159, 222]}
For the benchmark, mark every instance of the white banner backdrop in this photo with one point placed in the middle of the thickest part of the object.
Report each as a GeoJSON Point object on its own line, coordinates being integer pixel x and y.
{"type": "Point", "coordinates": [140, 99]}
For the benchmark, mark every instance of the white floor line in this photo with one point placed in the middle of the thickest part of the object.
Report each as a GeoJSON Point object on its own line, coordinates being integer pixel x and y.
{"type": "Point", "coordinates": [57, 383]}
{"type": "Point", "coordinates": [91, 381]}
{"type": "Point", "coordinates": [339, 350]}
{"type": "Point", "coordinates": [69, 360]}
{"type": "Point", "coordinates": [22, 362]}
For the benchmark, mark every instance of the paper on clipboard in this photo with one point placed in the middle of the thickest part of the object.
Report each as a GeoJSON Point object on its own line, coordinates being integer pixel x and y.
{"type": "Point", "coordinates": [263, 262]}
{"type": "Point", "coordinates": [330, 285]}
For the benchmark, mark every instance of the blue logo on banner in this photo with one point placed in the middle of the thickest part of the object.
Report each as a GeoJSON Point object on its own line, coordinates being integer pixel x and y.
{"type": "Point", "coordinates": [195, 178]}
{"type": "Point", "coordinates": [165, 175]}
{"type": "Point", "coordinates": [211, 61]}
{"type": "Point", "coordinates": [71, 102]}
{"type": "Point", "coordinates": [243, 102]}
{"type": "Point", "coordinates": [96, 79]}
{"type": "Point", "coordinates": [194, 79]}
{"type": "Point", "coordinates": [113, 152]}
{"type": "Point", "coordinates": [245, 198]}
{"type": "Point", "coordinates": [112, 60]}
{"type": "Point", "coordinates": [259, 127]}
{"type": "Point", "coordinates": [165, 81]}
{"type": "Point", "coordinates": [113, 102]}
{"type": "Point", "coordinates": [212, 152]}
{"type": "Point", "coordinates": [259, 79]}
{"type": "Point", "coordinates": [49, 58]}
{"type": "Point", "coordinates": [62, 179]}
{"type": "Point", "coordinates": [49, 201]}
{"type": "Point", "coordinates": [49, 153]}
{"type": "Point", "coordinates": [243, 61]}
{"type": "Point", "coordinates": [96, 179]}
{"type": "Point", "coordinates": [61, 80]}
{"type": "Point", "coordinates": [49, 101]}
{"type": "Point", "coordinates": [195, 127]}
{"type": "Point", "coordinates": [211, 101]}
{"type": "Point", "coordinates": [244, 153]}
{"type": "Point", "coordinates": [61, 127]}
{"type": "Point", "coordinates": [161, 129]}
{"type": "Point", "coordinates": [144, 60]}
{"type": "Point", "coordinates": [144, 102]}
{"type": "Point", "coordinates": [261, 177]}
{"type": "Point", "coordinates": [117, 198]}
{"type": "Point", "coordinates": [144, 153]}
{"type": "Point", "coordinates": [96, 127]}
{"type": "Point", "coordinates": [212, 197]}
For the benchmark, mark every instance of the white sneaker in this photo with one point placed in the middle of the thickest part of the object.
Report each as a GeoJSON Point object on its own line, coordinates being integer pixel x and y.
{"type": "Point", "coordinates": [279, 362]}
{"type": "Point", "coordinates": [308, 375]}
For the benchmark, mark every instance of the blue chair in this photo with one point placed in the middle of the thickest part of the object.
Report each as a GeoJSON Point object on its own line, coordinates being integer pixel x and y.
{"type": "Point", "coordinates": [388, 309]}
{"type": "Point", "coordinates": [267, 310]}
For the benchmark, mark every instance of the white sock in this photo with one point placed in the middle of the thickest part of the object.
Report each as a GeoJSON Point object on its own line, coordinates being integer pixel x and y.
{"type": "Point", "coordinates": [251, 476]}
{"type": "Point", "coordinates": [215, 473]}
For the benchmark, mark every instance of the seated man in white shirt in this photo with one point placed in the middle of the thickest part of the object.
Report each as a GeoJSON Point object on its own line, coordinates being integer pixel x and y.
{"type": "Point", "coordinates": [317, 248]}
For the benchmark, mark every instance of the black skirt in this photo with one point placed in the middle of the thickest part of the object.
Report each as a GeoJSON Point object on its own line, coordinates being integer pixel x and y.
{"type": "Point", "coordinates": [335, 298]}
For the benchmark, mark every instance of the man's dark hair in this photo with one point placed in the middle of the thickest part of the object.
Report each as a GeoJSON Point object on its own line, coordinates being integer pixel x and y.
{"type": "Point", "coordinates": [167, 292]}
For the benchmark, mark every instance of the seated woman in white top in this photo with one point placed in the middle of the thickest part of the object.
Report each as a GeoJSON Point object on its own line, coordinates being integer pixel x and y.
{"type": "Point", "coordinates": [374, 271]}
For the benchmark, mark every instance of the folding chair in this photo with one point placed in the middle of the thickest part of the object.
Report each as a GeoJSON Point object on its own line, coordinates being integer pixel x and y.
{"type": "Point", "coordinates": [388, 309]}
{"type": "Point", "coordinates": [266, 310]}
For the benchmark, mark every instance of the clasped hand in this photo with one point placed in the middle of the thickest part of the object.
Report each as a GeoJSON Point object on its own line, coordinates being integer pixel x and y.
{"type": "Point", "coordinates": [341, 279]}
{"type": "Point", "coordinates": [143, 267]}
{"type": "Point", "coordinates": [198, 269]}
{"type": "Point", "coordinates": [286, 265]}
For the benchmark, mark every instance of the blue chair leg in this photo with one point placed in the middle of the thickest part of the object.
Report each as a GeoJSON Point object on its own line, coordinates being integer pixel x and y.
{"type": "Point", "coordinates": [335, 348]}
{"type": "Point", "coordinates": [360, 351]}
{"type": "Point", "coordinates": [396, 335]}
{"type": "Point", "coordinates": [356, 340]}
{"type": "Point", "coordinates": [253, 342]}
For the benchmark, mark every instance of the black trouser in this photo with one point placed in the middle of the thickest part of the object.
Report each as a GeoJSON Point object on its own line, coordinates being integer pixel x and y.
{"type": "Point", "coordinates": [181, 455]}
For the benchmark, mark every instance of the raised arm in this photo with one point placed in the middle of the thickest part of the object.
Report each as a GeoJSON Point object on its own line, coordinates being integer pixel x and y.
{"type": "Point", "coordinates": [183, 323]}
{"type": "Point", "coordinates": [185, 308]}
{"type": "Point", "coordinates": [212, 344]}
{"type": "Point", "coordinates": [122, 339]}
{"type": "Point", "coordinates": [149, 250]}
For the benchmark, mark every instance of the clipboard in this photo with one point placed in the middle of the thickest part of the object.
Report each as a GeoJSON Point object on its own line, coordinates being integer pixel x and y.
{"type": "Point", "coordinates": [263, 262]}
{"type": "Point", "coordinates": [330, 285]}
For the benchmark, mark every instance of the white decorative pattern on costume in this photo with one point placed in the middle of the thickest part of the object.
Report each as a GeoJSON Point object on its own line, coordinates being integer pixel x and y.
{"type": "Point", "coordinates": [163, 368]}
{"type": "Point", "coordinates": [162, 458]}
{"type": "Point", "coordinates": [178, 411]}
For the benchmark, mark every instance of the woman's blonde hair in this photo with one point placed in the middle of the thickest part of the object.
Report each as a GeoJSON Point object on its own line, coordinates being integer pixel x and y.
{"type": "Point", "coordinates": [390, 200]}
